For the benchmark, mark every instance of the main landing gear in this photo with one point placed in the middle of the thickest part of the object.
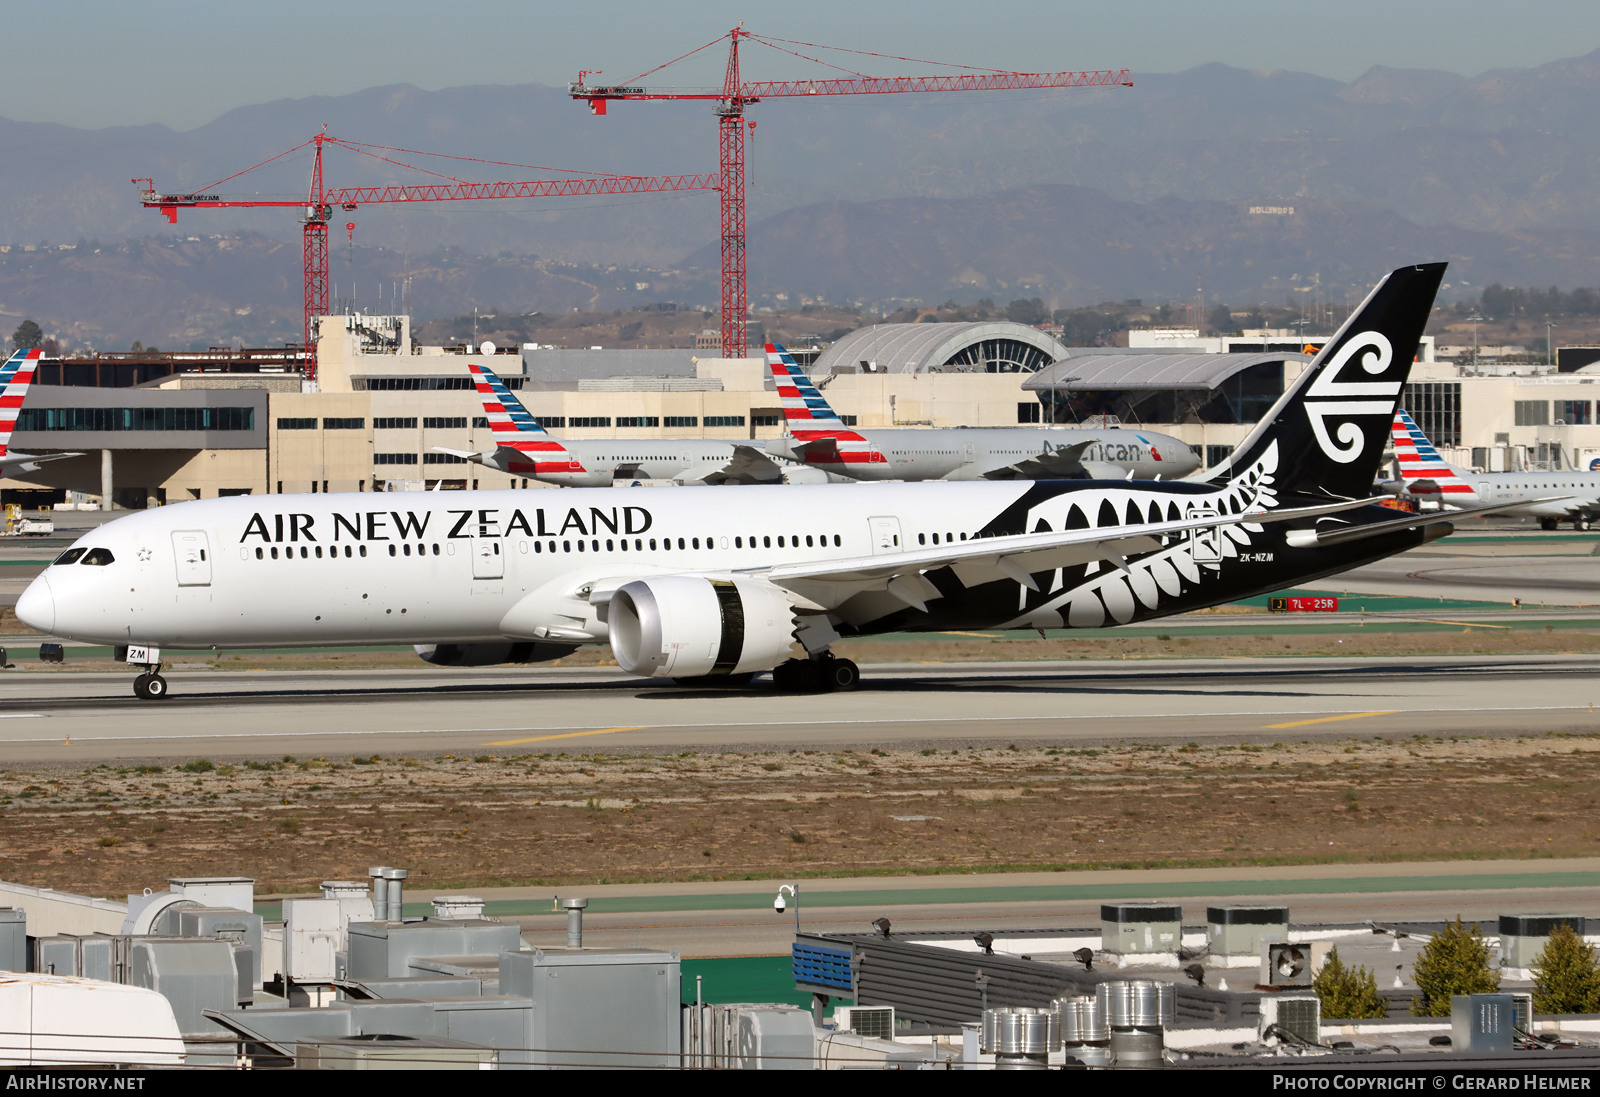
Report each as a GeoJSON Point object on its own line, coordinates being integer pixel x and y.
{"type": "Point", "coordinates": [150, 686]}
{"type": "Point", "coordinates": [823, 674]}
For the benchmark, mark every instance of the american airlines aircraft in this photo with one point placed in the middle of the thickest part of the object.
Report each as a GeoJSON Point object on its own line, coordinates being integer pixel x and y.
{"type": "Point", "coordinates": [1551, 497]}
{"type": "Point", "coordinates": [818, 437]}
{"type": "Point", "coordinates": [717, 586]}
{"type": "Point", "coordinates": [524, 448]}
{"type": "Point", "coordinates": [15, 377]}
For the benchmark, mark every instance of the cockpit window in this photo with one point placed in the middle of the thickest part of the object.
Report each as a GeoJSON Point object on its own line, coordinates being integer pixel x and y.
{"type": "Point", "coordinates": [70, 556]}
{"type": "Point", "coordinates": [98, 558]}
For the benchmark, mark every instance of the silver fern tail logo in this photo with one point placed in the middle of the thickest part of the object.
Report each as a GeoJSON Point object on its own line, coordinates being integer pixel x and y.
{"type": "Point", "coordinates": [1115, 590]}
{"type": "Point", "coordinates": [1336, 398]}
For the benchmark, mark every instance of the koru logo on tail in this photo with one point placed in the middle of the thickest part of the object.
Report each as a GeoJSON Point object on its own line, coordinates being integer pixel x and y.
{"type": "Point", "coordinates": [1345, 398]}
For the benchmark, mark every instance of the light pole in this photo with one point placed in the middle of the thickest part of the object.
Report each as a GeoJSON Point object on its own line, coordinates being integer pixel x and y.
{"type": "Point", "coordinates": [1474, 318]}
{"type": "Point", "coordinates": [1549, 349]}
{"type": "Point", "coordinates": [778, 904]}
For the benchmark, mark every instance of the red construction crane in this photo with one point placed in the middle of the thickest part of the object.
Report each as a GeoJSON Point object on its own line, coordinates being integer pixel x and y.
{"type": "Point", "coordinates": [316, 210]}
{"type": "Point", "coordinates": [736, 94]}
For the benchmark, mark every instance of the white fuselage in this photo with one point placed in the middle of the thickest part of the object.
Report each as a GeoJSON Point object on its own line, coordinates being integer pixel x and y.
{"type": "Point", "coordinates": [976, 452]}
{"type": "Point", "coordinates": [1559, 494]}
{"type": "Point", "coordinates": [459, 566]}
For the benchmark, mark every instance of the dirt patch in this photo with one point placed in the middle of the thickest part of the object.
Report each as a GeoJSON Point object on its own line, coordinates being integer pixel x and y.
{"type": "Point", "coordinates": [496, 819]}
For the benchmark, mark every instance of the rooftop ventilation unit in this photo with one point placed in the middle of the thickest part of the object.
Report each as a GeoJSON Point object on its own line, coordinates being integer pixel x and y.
{"type": "Point", "coordinates": [1085, 1035]}
{"type": "Point", "coordinates": [1291, 963]}
{"type": "Point", "coordinates": [1298, 1015]}
{"type": "Point", "coordinates": [1481, 1023]}
{"type": "Point", "coordinates": [457, 906]}
{"type": "Point", "coordinates": [1234, 934]}
{"type": "Point", "coordinates": [875, 1021]}
{"type": "Point", "coordinates": [1523, 936]}
{"type": "Point", "coordinates": [1142, 930]}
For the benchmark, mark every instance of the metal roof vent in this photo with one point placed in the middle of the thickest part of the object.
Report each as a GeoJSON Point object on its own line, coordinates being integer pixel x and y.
{"type": "Point", "coordinates": [1084, 1031]}
{"type": "Point", "coordinates": [343, 889]}
{"type": "Point", "coordinates": [1145, 933]}
{"type": "Point", "coordinates": [457, 906]}
{"type": "Point", "coordinates": [395, 877]}
{"type": "Point", "coordinates": [1020, 1037]}
{"type": "Point", "coordinates": [1137, 1010]}
{"type": "Point", "coordinates": [874, 1021]}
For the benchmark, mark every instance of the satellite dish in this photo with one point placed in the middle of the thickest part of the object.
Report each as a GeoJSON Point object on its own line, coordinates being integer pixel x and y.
{"type": "Point", "coordinates": [487, 348]}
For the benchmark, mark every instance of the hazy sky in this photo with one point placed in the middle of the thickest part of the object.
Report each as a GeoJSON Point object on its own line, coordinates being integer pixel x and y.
{"type": "Point", "coordinates": [116, 62]}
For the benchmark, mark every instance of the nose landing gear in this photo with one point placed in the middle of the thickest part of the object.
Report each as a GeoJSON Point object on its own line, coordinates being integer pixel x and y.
{"type": "Point", "coordinates": [150, 686]}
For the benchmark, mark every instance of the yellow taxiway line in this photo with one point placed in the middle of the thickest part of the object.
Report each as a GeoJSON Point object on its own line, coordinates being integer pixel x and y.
{"type": "Point", "coordinates": [1326, 719]}
{"type": "Point", "coordinates": [563, 735]}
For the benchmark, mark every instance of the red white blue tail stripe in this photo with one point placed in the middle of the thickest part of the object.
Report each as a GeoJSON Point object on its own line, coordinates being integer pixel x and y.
{"type": "Point", "coordinates": [15, 377]}
{"type": "Point", "coordinates": [1422, 470]}
{"type": "Point", "coordinates": [810, 419]}
{"type": "Point", "coordinates": [515, 428]}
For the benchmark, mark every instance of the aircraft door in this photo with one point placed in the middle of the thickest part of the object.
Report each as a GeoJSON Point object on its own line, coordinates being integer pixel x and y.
{"type": "Point", "coordinates": [1204, 543]}
{"type": "Point", "coordinates": [191, 551]}
{"type": "Point", "coordinates": [487, 560]}
{"type": "Point", "coordinates": [885, 534]}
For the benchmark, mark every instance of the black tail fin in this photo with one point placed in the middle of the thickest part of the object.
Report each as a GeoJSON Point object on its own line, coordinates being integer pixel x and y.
{"type": "Point", "coordinates": [1330, 427]}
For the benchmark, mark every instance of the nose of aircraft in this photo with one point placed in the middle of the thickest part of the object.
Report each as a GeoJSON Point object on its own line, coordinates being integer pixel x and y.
{"type": "Point", "coordinates": [37, 606]}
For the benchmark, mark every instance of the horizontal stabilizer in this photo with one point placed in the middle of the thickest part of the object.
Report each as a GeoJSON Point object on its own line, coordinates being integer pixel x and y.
{"type": "Point", "coordinates": [1311, 538]}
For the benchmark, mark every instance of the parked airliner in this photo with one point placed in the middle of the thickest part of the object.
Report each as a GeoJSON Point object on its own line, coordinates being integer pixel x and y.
{"type": "Point", "coordinates": [524, 448]}
{"type": "Point", "coordinates": [818, 437]}
{"type": "Point", "coordinates": [1551, 497]}
{"type": "Point", "coordinates": [16, 374]}
{"type": "Point", "coordinates": [716, 586]}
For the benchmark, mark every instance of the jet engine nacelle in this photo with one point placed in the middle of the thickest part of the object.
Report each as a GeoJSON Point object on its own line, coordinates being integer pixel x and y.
{"type": "Point", "coordinates": [489, 655]}
{"type": "Point", "coordinates": [680, 626]}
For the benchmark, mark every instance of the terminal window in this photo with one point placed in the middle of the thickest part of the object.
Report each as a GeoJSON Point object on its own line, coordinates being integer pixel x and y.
{"type": "Point", "coordinates": [638, 420]}
{"type": "Point", "coordinates": [394, 458]}
{"type": "Point", "coordinates": [443, 459]}
{"type": "Point", "coordinates": [356, 423]}
{"type": "Point", "coordinates": [445, 422]}
{"type": "Point", "coordinates": [138, 419]}
{"type": "Point", "coordinates": [724, 420]}
{"type": "Point", "coordinates": [767, 419]}
{"type": "Point", "coordinates": [404, 422]}
{"type": "Point", "coordinates": [1029, 412]}
{"type": "Point", "coordinates": [685, 421]}
{"type": "Point", "coordinates": [1531, 413]}
{"type": "Point", "coordinates": [480, 422]}
{"type": "Point", "coordinates": [589, 421]}
{"type": "Point", "coordinates": [1575, 413]}
{"type": "Point", "coordinates": [297, 424]}
{"type": "Point", "coordinates": [1436, 407]}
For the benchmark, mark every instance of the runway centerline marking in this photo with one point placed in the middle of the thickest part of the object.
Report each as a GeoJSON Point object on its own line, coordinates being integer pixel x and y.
{"type": "Point", "coordinates": [1331, 719]}
{"type": "Point", "coordinates": [564, 735]}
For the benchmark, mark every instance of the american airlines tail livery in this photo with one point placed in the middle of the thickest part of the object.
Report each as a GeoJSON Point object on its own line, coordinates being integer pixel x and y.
{"type": "Point", "coordinates": [717, 586]}
{"type": "Point", "coordinates": [819, 438]}
{"type": "Point", "coordinates": [16, 374]}
{"type": "Point", "coordinates": [1551, 497]}
{"type": "Point", "coordinates": [524, 448]}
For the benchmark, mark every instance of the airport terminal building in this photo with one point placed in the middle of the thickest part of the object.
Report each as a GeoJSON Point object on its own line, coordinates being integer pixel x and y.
{"type": "Point", "coordinates": [383, 411]}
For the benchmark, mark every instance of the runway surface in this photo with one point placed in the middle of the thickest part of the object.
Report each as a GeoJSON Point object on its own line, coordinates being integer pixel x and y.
{"type": "Point", "coordinates": [92, 717]}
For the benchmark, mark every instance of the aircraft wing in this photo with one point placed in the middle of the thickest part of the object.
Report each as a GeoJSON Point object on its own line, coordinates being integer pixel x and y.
{"type": "Point", "coordinates": [472, 455]}
{"type": "Point", "coordinates": [1017, 556]}
{"type": "Point", "coordinates": [748, 465]}
{"type": "Point", "coordinates": [1059, 464]}
{"type": "Point", "coordinates": [16, 463]}
{"type": "Point", "coordinates": [1321, 538]}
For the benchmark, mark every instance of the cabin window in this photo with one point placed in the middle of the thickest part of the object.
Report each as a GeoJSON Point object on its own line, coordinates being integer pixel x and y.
{"type": "Point", "coordinates": [406, 548]}
{"type": "Point", "coordinates": [274, 552]}
{"type": "Point", "coordinates": [393, 551]}
{"type": "Point", "coordinates": [808, 541]}
{"type": "Point", "coordinates": [766, 542]}
{"type": "Point", "coordinates": [259, 554]}
{"type": "Point", "coordinates": [580, 546]}
{"type": "Point", "coordinates": [738, 542]}
{"type": "Point", "coordinates": [780, 540]}
{"type": "Point", "coordinates": [696, 542]}
{"type": "Point", "coordinates": [836, 542]}
{"type": "Point", "coordinates": [319, 552]}
{"type": "Point", "coordinates": [922, 538]}
{"type": "Point", "coordinates": [538, 547]}
{"type": "Point", "coordinates": [305, 553]}
{"type": "Point", "coordinates": [610, 547]}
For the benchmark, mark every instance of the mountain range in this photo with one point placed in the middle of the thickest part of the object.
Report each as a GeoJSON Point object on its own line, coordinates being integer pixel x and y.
{"type": "Point", "coordinates": [1075, 196]}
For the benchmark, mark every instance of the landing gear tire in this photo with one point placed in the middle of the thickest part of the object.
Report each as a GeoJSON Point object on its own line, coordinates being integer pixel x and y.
{"type": "Point", "coordinates": [150, 687]}
{"type": "Point", "coordinates": [1582, 525]}
{"type": "Point", "coordinates": [1547, 523]}
{"type": "Point", "coordinates": [841, 675]}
